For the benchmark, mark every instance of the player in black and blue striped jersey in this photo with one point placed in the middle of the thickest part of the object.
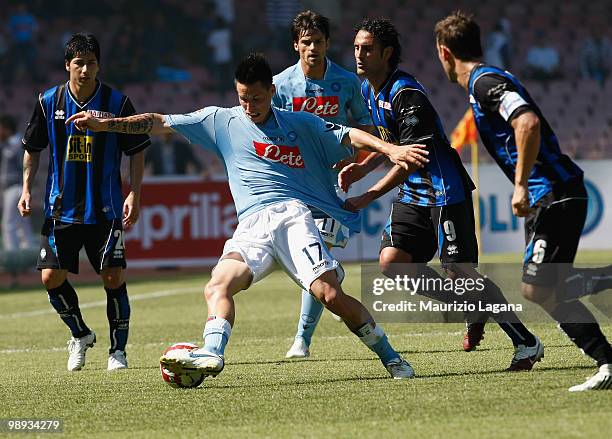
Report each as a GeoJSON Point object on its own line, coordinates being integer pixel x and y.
{"type": "Point", "coordinates": [433, 210]}
{"type": "Point", "coordinates": [548, 189]}
{"type": "Point", "coordinates": [84, 204]}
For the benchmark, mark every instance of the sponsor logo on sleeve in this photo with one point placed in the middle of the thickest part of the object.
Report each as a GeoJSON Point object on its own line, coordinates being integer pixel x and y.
{"type": "Point", "coordinates": [509, 102]}
{"type": "Point", "coordinates": [385, 105]}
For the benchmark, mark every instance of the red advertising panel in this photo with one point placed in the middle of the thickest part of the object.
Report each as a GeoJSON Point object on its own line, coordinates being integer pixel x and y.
{"type": "Point", "coordinates": [183, 222]}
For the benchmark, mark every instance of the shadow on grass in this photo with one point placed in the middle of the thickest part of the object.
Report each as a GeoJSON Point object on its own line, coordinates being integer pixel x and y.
{"type": "Point", "coordinates": [283, 361]}
{"type": "Point", "coordinates": [419, 377]}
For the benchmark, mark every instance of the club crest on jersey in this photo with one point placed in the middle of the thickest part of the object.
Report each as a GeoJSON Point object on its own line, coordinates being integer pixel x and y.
{"type": "Point", "coordinates": [287, 155]}
{"type": "Point", "coordinates": [322, 106]}
{"type": "Point", "coordinates": [80, 148]}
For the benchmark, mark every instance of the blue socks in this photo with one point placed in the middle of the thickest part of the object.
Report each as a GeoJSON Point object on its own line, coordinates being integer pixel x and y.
{"type": "Point", "coordinates": [118, 313]}
{"type": "Point", "coordinates": [217, 332]}
{"type": "Point", "coordinates": [375, 339]}
{"type": "Point", "coordinates": [65, 301]}
{"type": "Point", "coordinates": [309, 316]}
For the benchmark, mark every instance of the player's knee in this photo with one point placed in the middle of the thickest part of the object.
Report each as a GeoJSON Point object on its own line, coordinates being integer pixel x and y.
{"type": "Point", "coordinates": [392, 264]}
{"type": "Point", "coordinates": [386, 261]}
{"type": "Point", "coordinates": [52, 278]}
{"type": "Point", "coordinates": [330, 296]}
{"type": "Point", "coordinates": [535, 294]}
{"type": "Point", "coordinates": [112, 279]}
{"type": "Point", "coordinates": [327, 293]}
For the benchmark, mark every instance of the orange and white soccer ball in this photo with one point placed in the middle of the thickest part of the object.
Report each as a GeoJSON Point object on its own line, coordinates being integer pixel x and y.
{"type": "Point", "coordinates": [185, 379]}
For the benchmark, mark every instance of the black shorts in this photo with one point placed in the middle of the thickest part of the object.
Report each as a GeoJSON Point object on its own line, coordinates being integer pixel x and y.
{"type": "Point", "coordinates": [421, 231]}
{"type": "Point", "coordinates": [60, 244]}
{"type": "Point", "coordinates": [552, 233]}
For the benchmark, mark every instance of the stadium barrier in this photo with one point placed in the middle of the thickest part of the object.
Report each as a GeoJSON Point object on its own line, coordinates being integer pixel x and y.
{"type": "Point", "coordinates": [185, 220]}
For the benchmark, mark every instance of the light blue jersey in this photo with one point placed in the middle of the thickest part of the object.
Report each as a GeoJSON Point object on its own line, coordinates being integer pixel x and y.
{"type": "Point", "coordinates": [286, 158]}
{"type": "Point", "coordinates": [332, 98]}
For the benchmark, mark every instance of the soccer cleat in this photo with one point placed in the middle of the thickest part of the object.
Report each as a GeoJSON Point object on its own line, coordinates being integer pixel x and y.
{"type": "Point", "coordinates": [299, 349]}
{"type": "Point", "coordinates": [400, 369]}
{"type": "Point", "coordinates": [117, 361]}
{"type": "Point", "coordinates": [473, 336]}
{"type": "Point", "coordinates": [336, 317]}
{"type": "Point", "coordinates": [525, 357]}
{"type": "Point", "coordinates": [76, 350]}
{"type": "Point", "coordinates": [602, 380]}
{"type": "Point", "coordinates": [179, 360]}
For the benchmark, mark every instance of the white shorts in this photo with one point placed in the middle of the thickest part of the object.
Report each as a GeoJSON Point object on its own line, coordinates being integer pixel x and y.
{"type": "Point", "coordinates": [283, 233]}
{"type": "Point", "coordinates": [334, 233]}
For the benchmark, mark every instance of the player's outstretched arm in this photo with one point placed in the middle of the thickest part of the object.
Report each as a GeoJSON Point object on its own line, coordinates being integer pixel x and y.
{"type": "Point", "coordinates": [409, 157]}
{"type": "Point", "coordinates": [145, 123]}
{"type": "Point", "coordinates": [394, 177]}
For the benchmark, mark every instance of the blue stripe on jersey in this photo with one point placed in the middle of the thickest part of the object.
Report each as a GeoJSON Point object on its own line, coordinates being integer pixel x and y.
{"type": "Point", "coordinates": [552, 166]}
{"type": "Point", "coordinates": [388, 224]}
{"type": "Point", "coordinates": [47, 100]}
{"type": "Point", "coordinates": [443, 181]}
{"type": "Point", "coordinates": [73, 193]}
{"type": "Point", "coordinates": [528, 252]}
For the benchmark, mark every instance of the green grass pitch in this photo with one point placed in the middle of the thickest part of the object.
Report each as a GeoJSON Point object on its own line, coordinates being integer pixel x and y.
{"type": "Point", "coordinates": [341, 391]}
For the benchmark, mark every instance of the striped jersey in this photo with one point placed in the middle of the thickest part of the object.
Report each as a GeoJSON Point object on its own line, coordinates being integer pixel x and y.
{"type": "Point", "coordinates": [403, 115]}
{"type": "Point", "coordinates": [497, 97]}
{"type": "Point", "coordinates": [84, 178]}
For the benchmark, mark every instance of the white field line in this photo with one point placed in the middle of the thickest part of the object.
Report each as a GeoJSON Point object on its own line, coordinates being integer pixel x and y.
{"type": "Point", "coordinates": [246, 341]}
{"type": "Point", "coordinates": [133, 298]}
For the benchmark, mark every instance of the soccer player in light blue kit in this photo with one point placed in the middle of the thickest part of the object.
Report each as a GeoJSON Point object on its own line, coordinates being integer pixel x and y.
{"type": "Point", "coordinates": [317, 85]}
{"type": "Point", "coordinates": [277, 164]}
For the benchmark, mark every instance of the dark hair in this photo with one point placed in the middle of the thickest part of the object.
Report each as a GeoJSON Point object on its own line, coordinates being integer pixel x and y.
{"type": "Point", "coordinates": [461, 34]}
{"type": "Point", "coordinates": [80, 44]}
{"type": "Point", "coordinates": [252, 69]}
{"type": "Point", "coordinates": [8, 122]}
{"type": "Point", "coordinates": [309, 20]}
{"type": "Point", "coordinates": [386, 34]}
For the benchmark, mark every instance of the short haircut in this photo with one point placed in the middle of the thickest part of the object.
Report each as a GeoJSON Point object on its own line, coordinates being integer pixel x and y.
{"type": "Point", "coordinates": [461, 34]}
{"type": "Point", "coordinates": [252, 69]}
{"type": "Point", "coordinates": [309, 20]}
{"type": "Point", "coordinates": [386, 34]}
{"type": "Point", "coordinates": [8, 122]}
{"type": "Point", "coordinates": [80, 44]}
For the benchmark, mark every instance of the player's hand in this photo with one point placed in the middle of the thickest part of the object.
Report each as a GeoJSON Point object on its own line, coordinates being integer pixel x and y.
{"type": "Point", "coordinates": [24, 204]}
{"type": "Point", "coordinates": [409, 155]}
{"type": "Point", "coordinates": [344, 163]}
{"type": "Point", "coordinates": [131, 210]}
{"type": "Point", "coordinates": [349, 175]}
{"type": "Point", "coordinates": [520, 201]}
{"type": "Point", "coordinates": [357, 203]}
{"type": "Point", "coordinates": [84, 121]}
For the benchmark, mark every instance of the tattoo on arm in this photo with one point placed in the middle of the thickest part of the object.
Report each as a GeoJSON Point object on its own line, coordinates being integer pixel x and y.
{"type": "Point", "coordinates": [136, 124]}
